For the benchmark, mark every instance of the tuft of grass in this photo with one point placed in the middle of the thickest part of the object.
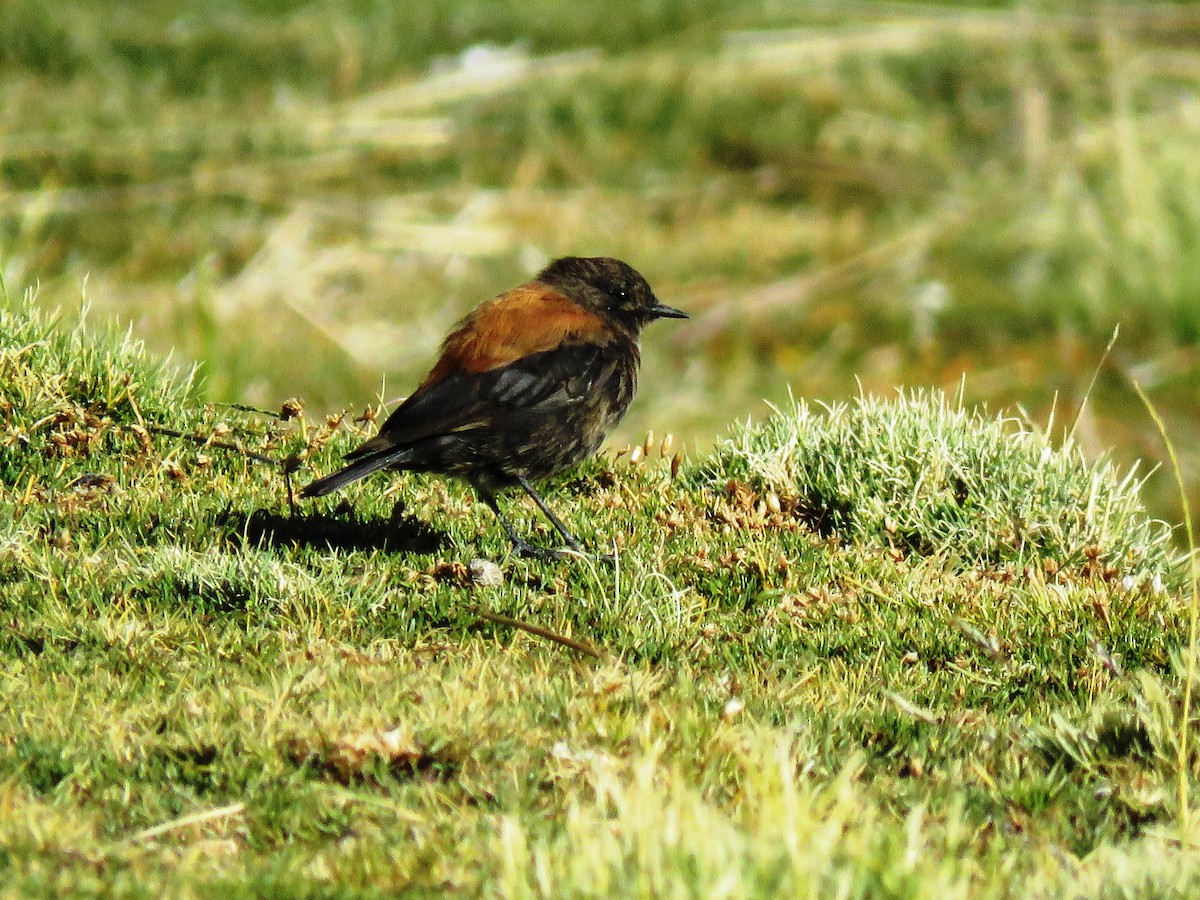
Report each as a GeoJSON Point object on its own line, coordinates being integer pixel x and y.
{"type": "Point", "coordinates": [925, 474]}
{"type": "Point", "coordinates": [101, 386]}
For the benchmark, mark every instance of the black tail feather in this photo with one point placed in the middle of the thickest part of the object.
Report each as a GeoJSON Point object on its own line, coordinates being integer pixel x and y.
{"type": "Point", "coordinates": [361, 468]}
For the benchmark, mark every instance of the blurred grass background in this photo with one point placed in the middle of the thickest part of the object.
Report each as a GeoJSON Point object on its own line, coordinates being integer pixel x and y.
{"type": "Point", "coordinates": [304, 197]}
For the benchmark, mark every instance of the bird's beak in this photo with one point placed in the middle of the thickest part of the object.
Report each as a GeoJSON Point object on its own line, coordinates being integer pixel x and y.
{"type": "Point", "coordinates": [662, 311]}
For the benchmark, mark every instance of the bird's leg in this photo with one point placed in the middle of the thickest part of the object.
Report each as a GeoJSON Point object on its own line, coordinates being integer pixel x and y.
{"type": "Point", "coordinates": [572, 542]}
{"type": "Point", "coordinates": [520, 545]}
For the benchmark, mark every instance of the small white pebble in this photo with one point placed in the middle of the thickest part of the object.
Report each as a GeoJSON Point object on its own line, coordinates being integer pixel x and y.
{"type": "Point", "coordinates": [733, 706]}
{"type": "Point", "coordinates": [485, 573]}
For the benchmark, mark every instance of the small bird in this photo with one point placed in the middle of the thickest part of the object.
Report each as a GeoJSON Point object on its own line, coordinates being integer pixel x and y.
{"type": "Point", "coordinates": [527, 385]}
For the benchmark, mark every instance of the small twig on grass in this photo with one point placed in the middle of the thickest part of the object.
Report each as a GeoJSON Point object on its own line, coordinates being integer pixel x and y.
{"type": "Point", "coordinates": [209, 442]}
{"type": "Point", "coordinates": [290, 465]}
{"type": "Point", "coordinates": [245, 407]}
{"type": "Point", "coordinates": [208, 815]}
{"type": "Point", "coordinates": [580, 646]}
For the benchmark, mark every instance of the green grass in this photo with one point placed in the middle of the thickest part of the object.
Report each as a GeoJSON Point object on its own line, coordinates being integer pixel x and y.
{"type": "Point", "coordinates": [913, 646]}
{"type": "Point", "coordinates": [200, 694]}
{"type": "Point", "coordinates": [876, 193]}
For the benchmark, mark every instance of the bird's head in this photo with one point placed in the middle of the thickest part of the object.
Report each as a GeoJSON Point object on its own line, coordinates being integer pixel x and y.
{"type": "Point", "coordinates": [609, 287]}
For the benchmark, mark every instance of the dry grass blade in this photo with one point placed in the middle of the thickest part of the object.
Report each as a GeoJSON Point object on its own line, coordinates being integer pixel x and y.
{"type": "Point", "coordinates": [198, 818]}
{"type": "Point", "coordinates": [1184, 775]}
{"type": "Point", "coordinates": [1092, 384]}
{"type": "Point", "coordinates": [906, 706]}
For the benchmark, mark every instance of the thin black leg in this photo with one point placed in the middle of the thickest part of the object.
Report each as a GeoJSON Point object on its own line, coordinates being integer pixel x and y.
{"type": "Point", "coordinates": [572, 542]}
{"type": "Point", "coordinates": [520, 545]}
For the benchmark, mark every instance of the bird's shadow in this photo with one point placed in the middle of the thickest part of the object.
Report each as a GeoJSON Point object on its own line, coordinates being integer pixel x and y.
{"type": "Point", "coordinates": [341, 531]}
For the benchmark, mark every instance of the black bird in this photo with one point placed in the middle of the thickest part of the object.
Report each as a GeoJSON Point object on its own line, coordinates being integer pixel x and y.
{"type": "Point", "coordinates": [527, 385]}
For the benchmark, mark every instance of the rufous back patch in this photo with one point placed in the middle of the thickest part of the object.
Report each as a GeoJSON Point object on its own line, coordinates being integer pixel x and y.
{"type": "Point", "coordinates": [528, 319]}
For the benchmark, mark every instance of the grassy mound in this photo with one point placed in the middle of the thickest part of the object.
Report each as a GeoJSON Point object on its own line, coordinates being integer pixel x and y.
{"type": "Point", "coordinates": [928, 476]}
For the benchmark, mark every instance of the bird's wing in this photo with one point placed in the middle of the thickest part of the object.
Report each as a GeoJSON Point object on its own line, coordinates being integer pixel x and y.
{"type": "Point", "coordinates": [546, 383]}
{"type": "Point", "coordinates": [513, 352]}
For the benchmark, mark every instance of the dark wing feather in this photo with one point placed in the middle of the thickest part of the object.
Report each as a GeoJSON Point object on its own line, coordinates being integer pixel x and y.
{"type": "Point", "coordinates": [552, 377]}
{"type": "Point", "coordinates": [545, 383]}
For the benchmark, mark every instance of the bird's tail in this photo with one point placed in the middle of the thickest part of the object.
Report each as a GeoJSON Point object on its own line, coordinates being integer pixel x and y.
{"type": "Point", "coordinates": [360, 468]}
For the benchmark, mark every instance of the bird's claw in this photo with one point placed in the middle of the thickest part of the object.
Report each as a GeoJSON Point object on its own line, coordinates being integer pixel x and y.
{"type": "Point", "coordinates": [526, 550]}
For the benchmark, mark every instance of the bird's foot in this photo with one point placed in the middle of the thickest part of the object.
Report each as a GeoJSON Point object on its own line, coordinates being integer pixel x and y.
{"type": "Point", "coordinates": [527, 550]}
